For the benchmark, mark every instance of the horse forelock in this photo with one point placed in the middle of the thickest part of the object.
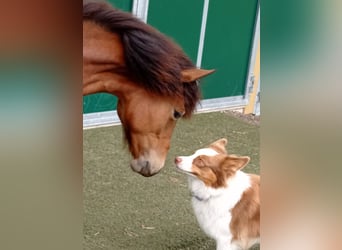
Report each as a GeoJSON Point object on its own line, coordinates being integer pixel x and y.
{"type": "Point", "coordinates": [153, 61]}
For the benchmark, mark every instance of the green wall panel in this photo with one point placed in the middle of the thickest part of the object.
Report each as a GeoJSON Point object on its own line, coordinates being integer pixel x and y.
{"type": "Point", "coordinates": [125, 5]}
{"type": "Point", "coordinates": [180, 20]}
{"type": "Point", "coordinates": [228, 40]}
{"type": "Point", "coordinates": [99, 102]}
{"type": "Point", "coordinates": [105, 102]}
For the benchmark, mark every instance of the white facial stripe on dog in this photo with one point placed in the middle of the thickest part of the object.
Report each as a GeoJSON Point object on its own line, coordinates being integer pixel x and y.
{"type": "Point", "coordinates": [186, 162]}
{"type": "Point", "coordinates": [205, 151]}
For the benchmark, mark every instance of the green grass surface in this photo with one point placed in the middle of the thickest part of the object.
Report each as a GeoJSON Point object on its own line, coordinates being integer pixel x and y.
{"type": "Point", "coordinates": [123, 210]}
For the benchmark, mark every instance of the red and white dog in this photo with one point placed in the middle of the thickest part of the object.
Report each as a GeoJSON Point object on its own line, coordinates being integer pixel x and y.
{"type": "Point", "coordinates": [225, 200]}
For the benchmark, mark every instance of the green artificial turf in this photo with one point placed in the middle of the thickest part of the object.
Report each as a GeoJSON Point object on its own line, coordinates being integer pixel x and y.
{"type": "Point", "coordinates": [123, 210]}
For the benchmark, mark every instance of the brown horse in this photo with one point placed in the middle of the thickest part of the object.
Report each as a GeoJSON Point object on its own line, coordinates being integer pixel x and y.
{"type": "Point", "coordinates": [154, 80]}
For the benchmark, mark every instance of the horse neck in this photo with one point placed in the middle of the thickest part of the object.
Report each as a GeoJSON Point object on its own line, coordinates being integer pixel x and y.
{"type": "Point", "coordinates": [101, 79]}
{"type": "Point", "coordinates": [103, 58]}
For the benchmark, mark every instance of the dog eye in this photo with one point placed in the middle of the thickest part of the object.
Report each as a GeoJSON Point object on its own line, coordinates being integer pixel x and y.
{"type": "Point", "coordinates": [199, 161]}
{"type": "Point", "coordinates": [177, 115]}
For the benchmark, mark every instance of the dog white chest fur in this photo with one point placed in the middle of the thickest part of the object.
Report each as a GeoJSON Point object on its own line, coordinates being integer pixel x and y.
{"type": "Point", "coordinates": [212, 207]}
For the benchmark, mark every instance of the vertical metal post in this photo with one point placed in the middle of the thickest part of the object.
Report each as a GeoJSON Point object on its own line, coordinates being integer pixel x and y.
{"type": "Point", "coordinates": [140, 9]}
{"type": "Point", "coordinates": [202, 34]}
{"type": "Point", "coordinates": [250, 77]}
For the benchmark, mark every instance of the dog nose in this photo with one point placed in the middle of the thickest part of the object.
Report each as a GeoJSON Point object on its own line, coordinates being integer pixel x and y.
{"type": "Point", "coordinates": [178, 160]}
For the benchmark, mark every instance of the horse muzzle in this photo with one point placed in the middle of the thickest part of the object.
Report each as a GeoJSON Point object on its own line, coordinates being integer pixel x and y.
{"type": "Point", "coordinates": [146, 168]}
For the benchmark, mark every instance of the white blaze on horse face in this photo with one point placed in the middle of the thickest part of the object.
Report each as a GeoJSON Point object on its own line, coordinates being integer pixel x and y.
{"type": "Point", "coordinates": [186, 161]}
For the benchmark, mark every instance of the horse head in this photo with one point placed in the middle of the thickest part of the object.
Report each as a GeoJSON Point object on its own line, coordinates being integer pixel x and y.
{"type": "Point", "coordinates": [155, 82]}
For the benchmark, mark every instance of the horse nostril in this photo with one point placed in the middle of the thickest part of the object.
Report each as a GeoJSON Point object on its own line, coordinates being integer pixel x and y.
{"type": "Point", "coordinates": [147, 164]}
{"type": "Point", "coordinates": [146, 169]}
{"type": "Point", "coordinates": [178, 160]}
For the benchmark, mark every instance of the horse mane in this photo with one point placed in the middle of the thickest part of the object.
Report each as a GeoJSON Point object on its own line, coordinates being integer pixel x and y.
{"type": "Point", "coordinates": [152, 59]}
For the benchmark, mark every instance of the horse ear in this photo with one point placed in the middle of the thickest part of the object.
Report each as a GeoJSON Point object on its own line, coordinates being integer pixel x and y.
{"type": "Point", "coordinates": [190, 75]}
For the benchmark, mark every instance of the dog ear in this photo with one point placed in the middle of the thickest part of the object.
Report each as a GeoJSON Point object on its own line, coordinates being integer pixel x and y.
{"type": "Point", "coordinates": [219, 146]}
{"type": "Point", "coordinates": [235, 163]}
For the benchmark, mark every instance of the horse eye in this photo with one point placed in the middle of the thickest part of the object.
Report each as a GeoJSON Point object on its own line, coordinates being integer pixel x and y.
{"type": "Point", "coordinates": [177, 114]}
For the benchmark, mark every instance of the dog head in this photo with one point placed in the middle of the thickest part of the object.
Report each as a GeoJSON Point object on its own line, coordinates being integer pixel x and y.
{"type": "Point", "coordinates": [212, 165]}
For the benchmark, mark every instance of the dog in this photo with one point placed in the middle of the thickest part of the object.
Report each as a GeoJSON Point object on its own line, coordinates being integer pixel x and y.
{"type": "Point", "coordinates": [225, 200]}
